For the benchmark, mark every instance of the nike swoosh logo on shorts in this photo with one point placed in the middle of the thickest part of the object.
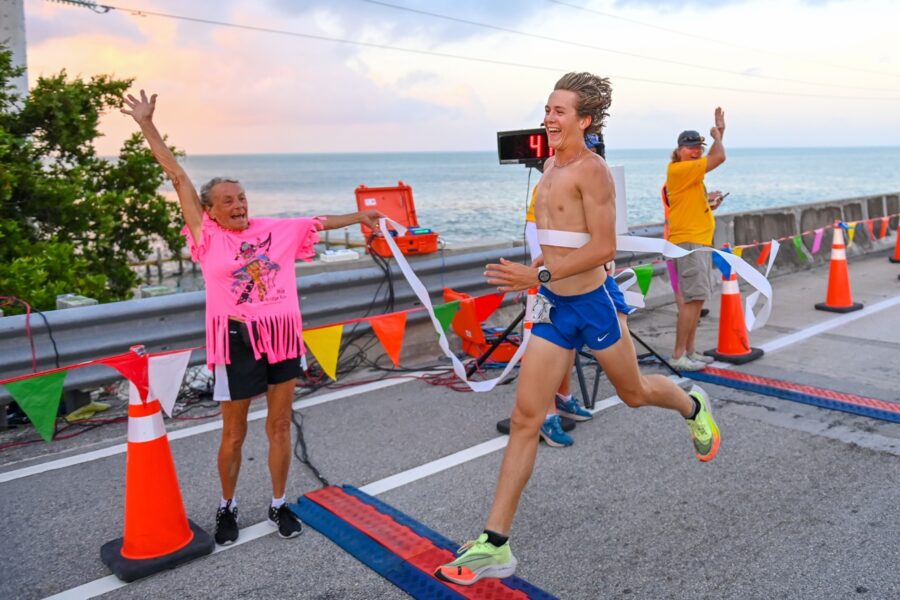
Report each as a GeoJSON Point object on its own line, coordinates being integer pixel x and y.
{"type": "Point", "coordinates": [600, 339]}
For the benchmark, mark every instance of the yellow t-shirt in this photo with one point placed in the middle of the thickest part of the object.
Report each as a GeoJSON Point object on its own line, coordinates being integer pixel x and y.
{"type": "Point", "coordinates": [529, 216]}
{"type": "Point", "coordinates": [690, 218]}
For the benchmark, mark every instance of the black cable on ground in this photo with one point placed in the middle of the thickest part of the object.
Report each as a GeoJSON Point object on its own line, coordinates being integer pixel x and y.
{"type": "Point", "coordinates": [300, 450]}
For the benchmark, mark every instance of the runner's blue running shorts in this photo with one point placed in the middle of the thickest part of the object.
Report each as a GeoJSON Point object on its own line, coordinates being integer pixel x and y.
{"type": "Point", "coordinates": [586, 319]}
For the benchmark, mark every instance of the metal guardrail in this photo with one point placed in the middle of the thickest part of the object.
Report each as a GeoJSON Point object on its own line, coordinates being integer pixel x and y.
{"type": "Point", "coordinates": [177, 321]}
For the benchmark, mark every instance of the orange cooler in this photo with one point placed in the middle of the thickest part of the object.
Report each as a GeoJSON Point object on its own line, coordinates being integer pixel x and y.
{"type": "Point", "coordinates": [396, 202]}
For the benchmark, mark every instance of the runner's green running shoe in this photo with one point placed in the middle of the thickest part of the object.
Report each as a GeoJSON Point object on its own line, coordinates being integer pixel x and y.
{"type": "Point", "coordinates": [704, 431]}
{"type": "Point", "coordinates": [478, 559]}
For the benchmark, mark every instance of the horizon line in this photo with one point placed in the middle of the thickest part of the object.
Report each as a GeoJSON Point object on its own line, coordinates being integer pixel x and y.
{"type": "Point", "coordinates": [665, 150]}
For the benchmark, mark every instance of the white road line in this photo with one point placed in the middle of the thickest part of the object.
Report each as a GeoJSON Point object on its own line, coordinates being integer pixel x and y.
{"type": "Point", "coordinates": [198, 429]}
{"type": "Point", "coordinates": [435, 466]}
{"type": "Point", "coordinates": [813, 330]}
{"type": "Point", "coordinates": [109, 583]}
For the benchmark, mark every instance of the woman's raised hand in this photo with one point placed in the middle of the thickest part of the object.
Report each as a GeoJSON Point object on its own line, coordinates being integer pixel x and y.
{"type": "Point", "coordinates": [140, 110]}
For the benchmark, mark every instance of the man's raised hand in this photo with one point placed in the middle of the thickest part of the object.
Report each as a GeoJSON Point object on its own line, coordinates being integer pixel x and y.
{"type": "Point", "coordinates": [140, 110]}
{"type": "Point", "coordinates": [720, 120]}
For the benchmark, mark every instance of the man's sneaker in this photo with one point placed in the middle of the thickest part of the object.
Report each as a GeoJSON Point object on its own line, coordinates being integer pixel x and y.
{"type": "Point", "coordinates": [683, 363]}
{"type": "Point", "coordinates": [478, 559]}
{"type": "Point", "coordinates": [226, 524]}
{"type": "Point", "coordinates": [571, 409]}
{"type": "Point", "coordinates": [285, 520]}
{"type": "Point", "coordinates": [697, 357]}
{"type": "Point", "coordinates": [552, 432]}
{"type": "Point", "coordinates": [704, 431]}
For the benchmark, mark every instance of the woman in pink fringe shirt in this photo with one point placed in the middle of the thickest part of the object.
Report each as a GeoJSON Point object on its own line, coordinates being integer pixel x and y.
{"type": "Point", "coordinates": [253, 324]}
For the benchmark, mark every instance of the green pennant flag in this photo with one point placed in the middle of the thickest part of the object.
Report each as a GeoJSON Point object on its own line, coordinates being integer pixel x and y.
{"type": "Point", "coordinates": [644, 275]}
{"type": "Point", "coordinates": [39, 399]}
{"type": "Point", "coordinates": [446, 312]}
{"type": "Point", "coordinates": [798, 246]}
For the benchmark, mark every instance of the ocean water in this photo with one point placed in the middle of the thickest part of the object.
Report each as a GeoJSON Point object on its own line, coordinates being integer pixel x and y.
{"type": "Point", "coordinates": [469, 196]}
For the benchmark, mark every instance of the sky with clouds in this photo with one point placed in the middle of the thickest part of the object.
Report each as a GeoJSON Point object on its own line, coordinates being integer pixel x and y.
{"type": "Point", "coordinates": [417, 75]}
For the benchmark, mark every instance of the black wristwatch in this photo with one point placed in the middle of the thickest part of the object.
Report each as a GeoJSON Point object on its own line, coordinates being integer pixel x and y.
{"type": "Point", "coordinates": [544, 275]}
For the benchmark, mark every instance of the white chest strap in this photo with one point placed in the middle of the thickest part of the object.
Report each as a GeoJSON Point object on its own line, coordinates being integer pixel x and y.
{"type": "Point", "coordinates": [565, 239]}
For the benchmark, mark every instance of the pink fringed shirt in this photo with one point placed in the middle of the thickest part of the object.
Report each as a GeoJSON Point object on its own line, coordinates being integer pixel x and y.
{"type": "Point", "coordinates": [249, 274]}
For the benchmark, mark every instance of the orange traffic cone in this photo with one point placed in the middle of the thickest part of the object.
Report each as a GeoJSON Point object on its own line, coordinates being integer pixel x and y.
{"type": "Point", "coordinates": [896, 257]}
{"type": "Point", "coordinates": [158, 534]}
{"type": "Point", "coordinates": [734, 344]}
{"type": "Point", "coordinates": [839, 298]}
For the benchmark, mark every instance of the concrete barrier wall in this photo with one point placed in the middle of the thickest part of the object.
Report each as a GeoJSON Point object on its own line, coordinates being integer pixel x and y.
{"type": "Point", "coordinates": [765, 224]}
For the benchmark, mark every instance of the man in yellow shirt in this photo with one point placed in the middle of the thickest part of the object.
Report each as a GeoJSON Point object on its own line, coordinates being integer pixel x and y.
{"type": "Point", "coordinates": [691, 225]}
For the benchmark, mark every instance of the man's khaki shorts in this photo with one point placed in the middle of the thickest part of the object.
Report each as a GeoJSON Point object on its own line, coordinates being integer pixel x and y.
{"type": "Point", "coordinates": [694, 274]}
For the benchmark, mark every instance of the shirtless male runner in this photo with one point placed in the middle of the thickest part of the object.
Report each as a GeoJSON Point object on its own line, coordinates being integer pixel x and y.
{"type": "Point", "coordinates": [575, 211]}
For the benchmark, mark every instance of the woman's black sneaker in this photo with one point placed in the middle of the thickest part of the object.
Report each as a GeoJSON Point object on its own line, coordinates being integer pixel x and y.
{"type": "Point", "coordinates": [226, 524]}
{"type": "Point", "coordinates": [286, 521]}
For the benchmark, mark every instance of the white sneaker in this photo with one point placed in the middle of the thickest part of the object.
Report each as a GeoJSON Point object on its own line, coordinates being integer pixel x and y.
{"type": "Point", "coordinates": [701, 358]}
{"type": "Point", "coordinates": [683, 363]}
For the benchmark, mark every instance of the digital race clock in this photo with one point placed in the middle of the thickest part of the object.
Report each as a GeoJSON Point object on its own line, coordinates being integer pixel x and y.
{"type": "Point", "coordinates": [524, 146]}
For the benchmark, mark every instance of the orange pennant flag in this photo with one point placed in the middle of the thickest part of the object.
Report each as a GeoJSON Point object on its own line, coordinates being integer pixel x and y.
{"type": "Point", "coordinates": [486, 305]}
{"type": "Point", "coordinates": [764, 253]}
{"type": "Point", "coordinates": [870, 228]}
{"type": "Point", "coordinates": [390, 329]}
{"type": "Point", "coordinates": [325, 345]}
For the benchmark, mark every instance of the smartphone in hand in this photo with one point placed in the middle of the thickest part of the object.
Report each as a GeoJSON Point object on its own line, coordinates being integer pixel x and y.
{"type": "Point", "coordinates": [715, 202]}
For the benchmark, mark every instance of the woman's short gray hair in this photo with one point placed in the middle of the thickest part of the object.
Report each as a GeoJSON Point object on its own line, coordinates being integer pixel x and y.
{"type": "Point", "coordinates": [206, 190]}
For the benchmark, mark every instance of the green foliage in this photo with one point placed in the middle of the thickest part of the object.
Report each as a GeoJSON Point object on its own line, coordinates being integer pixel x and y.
{"type": "Point", "coordinates": [70, 220]}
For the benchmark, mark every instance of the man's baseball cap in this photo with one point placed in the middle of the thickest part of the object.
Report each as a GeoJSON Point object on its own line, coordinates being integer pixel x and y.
{"type": "Point", "coordinates": [691, 138]}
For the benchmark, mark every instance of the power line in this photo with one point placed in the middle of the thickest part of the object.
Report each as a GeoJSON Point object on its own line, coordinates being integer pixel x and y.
{"type": "Point", "coordinates": [716, 41]}
{"type": "Point", "coordinates": [141, 12]}
{"type": "Point", "coordinates": [548, 38]}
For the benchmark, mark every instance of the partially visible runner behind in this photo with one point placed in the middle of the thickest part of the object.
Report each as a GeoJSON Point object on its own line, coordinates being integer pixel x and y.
{"type": "Point", "coordinates": [253, 324]}
{"type": "Point", "coordinates": [575, 216]}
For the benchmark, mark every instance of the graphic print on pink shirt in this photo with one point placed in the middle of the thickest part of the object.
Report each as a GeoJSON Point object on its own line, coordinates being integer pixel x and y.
{"type": "Point", "coordinates": [256, 274]}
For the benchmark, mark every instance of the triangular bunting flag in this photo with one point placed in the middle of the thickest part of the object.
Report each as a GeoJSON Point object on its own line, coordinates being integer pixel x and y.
{"type": "Point", "coordinates": [817, 242]}
{"type": "Point", "coordinates": [166, 372]}
{"type": "Point", "coordinates": [486, 305]}
{"type": "Point", "coordinates": [644, 274]}
{"type": "Point", "coordinates": [738, 251]}
{"type": "Point", "coordinates": [764, 253]}
{"type": "Point", "coordinates": [798, 246]}
{"type": "Point", "coordinates": [884, 227]}
{"type": "Point", "coordinates": [851, 232]}
{"type": "Point", "coordinates": [39, 398]}
{"type": "Point", "coordinates": [870, 227]}
{"type": "Point", "coordinates": [389, 329]}
{"type": "Point", "coordinates": [133, 367]}
{"type": "Point", "coordinates": [721, 264]}
{"type": "Point", "coordinates": [446, 312]}
{"type": "Point", "coordinates": [325, 345]}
